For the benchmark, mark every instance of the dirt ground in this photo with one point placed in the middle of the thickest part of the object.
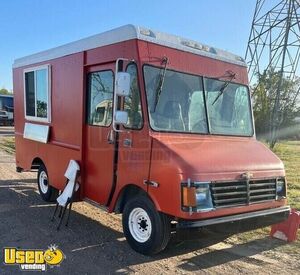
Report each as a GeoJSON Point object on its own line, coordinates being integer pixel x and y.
{"type": "Point", "coordinates": [94, 243]}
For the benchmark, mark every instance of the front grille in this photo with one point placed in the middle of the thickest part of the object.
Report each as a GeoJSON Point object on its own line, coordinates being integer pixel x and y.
{"type": "Point", "coordinates": [236, 193]}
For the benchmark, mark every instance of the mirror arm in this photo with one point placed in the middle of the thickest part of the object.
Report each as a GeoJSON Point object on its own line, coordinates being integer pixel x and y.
{"type": "Point", "coordinates": [115, 101]}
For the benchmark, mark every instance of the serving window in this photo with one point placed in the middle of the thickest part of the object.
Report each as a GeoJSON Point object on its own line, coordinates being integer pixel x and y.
{"type": "Point", "coordinates": [37, 93]}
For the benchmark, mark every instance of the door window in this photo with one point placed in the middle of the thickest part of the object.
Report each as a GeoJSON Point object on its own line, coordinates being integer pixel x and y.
{"type": "Point", "coordinates": [100, 98]}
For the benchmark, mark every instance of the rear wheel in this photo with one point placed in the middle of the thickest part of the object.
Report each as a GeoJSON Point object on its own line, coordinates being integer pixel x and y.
{"type": "Point", "coordinates": [47, 192]}
{"type": "Point", "coordinates": [146, 230]}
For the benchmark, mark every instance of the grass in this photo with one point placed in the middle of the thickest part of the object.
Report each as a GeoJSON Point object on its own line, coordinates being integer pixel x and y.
{"type": "Point", "coordinates": [289, 153]}
{"type": "Point", "coordinates": [7, 144]}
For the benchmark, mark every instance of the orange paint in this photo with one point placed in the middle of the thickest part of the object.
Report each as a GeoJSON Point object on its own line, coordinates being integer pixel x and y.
{"type": "Point", "coordinates": [166, 158]}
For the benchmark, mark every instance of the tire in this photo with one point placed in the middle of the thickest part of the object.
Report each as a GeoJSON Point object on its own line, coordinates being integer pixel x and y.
{"type": "Point", "coordinates": [147, 231]}
{"type": "Point", "coordinates": [47, 192]}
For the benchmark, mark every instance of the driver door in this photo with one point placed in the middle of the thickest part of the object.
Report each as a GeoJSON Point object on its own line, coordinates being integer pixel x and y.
{"type": "Point", "coordinates": [99, 151]}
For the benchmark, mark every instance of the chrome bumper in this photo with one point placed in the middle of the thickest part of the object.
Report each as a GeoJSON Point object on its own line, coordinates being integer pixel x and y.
{"type": "Point", "coordinates": [281, 213]}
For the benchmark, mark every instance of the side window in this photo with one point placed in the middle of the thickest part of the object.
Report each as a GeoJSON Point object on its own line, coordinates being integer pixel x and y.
{"type": "Point", "coordinates": [37, 93]}
{"type": "Point", "coordinates": [133, 101]}
{"type": "Point", "coordinates": [100, 98]}
{"type": "Point", "coordinates": [242, 119]}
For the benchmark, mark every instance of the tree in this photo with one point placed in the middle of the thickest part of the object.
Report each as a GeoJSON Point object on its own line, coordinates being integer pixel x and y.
{"type": "Point", "coordinates": [4, 91]}
{"type": "Point", "coordinates": [41, 108]}
{"type": "Point", "coordinates": [264, 106]}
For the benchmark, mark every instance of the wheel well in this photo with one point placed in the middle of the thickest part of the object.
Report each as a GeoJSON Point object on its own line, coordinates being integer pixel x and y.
{"type": "Point", "coordinates": [128, 192]}
{"type": "Point", "coordinates": [36, 163]}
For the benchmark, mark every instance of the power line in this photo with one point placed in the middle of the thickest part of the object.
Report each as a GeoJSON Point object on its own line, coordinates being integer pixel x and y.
{"type": "Point", "coordinates": [274, 44]}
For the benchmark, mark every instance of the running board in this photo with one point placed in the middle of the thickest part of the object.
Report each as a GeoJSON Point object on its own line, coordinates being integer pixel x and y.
{"type": "Point", "coordinates": [96, 204]}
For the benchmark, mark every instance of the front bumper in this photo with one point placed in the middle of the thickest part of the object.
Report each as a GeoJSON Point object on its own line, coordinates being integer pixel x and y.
{"type": "Point", "coordinates": [241, 222]}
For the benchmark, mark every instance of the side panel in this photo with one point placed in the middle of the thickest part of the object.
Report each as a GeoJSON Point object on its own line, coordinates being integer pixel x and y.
{"type": "Point", "coordinates": [66, 119]}
{"type": "Point", "coordinates": [134, 160]}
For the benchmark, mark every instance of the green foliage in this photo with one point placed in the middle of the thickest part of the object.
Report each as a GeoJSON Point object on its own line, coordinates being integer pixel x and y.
{"type": "Point", "coordinates": [4, 91]}
{"type": "Point", "coordinates": [264, 99]}
{"type": "Point", "coordinates": [41, 108]}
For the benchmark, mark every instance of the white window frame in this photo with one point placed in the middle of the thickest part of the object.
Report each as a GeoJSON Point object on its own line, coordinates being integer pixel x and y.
{"type": "Point", "coordinates": [34, 69]}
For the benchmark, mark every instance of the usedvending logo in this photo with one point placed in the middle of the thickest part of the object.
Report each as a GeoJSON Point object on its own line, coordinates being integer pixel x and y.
{"type": "Point", "coordinates": [33, 259]}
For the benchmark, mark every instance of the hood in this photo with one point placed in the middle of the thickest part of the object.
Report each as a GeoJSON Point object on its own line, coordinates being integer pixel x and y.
{"type": "Point", "coordinates": [222, 157]}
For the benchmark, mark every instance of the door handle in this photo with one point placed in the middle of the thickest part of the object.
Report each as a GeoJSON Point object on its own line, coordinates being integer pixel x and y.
{"type": "Point", "coordinates": [127, 142]}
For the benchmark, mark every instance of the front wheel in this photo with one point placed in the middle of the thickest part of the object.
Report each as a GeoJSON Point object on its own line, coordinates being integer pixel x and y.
{"type": "Point", "coordinates": [146, 230]}
{"type": "Point", "coordinates": [47, 192]}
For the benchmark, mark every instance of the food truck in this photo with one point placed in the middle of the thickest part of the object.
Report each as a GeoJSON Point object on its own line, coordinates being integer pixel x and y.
{"type": "Point", "coordinates": [162, 127]}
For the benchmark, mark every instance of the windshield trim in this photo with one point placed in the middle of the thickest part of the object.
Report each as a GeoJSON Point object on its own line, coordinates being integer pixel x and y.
{"type": "Point", "coordinates": [206, 111]}
{"type": "Point", "coordinates": [140, 95]}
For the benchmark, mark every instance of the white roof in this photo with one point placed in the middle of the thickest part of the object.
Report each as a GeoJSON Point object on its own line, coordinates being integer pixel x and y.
{"type": "Point", "coordinates": [125, 33]}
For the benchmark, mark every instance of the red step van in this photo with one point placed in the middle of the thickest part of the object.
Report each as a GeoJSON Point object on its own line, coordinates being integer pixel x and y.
{"type": "Point", "coordinates": [162, 127]}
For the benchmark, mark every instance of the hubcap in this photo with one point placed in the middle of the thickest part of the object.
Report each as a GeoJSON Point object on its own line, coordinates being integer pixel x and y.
{"type": "Point", "coordinates": [43, 182]}
{"type": "Point", "coordinates": [139, 225]}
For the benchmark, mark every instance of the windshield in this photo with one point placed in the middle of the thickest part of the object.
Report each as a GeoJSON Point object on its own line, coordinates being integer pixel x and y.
{"type": "Point", "coordinates": [184, 105]}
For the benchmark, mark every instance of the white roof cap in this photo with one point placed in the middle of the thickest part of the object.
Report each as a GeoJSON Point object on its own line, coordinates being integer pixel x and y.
{"type": "Point", "coordinates": [125, 33]}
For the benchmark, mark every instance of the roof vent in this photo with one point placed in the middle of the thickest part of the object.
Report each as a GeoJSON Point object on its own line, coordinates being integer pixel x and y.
{"type": "Point", "coordinates": [147, 32]}
{"type": "Point", "coordinates": [195, 45]}
{"type": "Point", "coordinates": [238, 58]}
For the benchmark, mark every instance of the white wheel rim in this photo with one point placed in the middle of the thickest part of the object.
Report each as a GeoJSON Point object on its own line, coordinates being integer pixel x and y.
{"type": "Point", "coordinates": [43, 182]}
{"type": "Point", "coordinates": [140, 225]}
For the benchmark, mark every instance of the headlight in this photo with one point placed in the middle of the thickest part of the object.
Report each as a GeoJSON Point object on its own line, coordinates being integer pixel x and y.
{"type": "Point", "coordinates": [280, 188]}
{"type": "Point", "coordinates": [196, 197]}
{"type": "Point", "coordinates": [203, 197]}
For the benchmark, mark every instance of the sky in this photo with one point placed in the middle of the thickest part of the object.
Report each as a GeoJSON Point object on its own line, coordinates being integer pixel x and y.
{"type": "Point", "coordinates": [30, 26]}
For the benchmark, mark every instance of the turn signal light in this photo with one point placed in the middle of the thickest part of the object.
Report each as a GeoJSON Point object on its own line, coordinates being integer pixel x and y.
{"type": "Point", "coordinates": [188, 196]}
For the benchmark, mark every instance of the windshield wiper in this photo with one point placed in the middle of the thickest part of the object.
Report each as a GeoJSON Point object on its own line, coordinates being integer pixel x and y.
{"type": "Point", "coordinates": [160, 82]}
{"type": "Point", "coordinates": [224, 86]}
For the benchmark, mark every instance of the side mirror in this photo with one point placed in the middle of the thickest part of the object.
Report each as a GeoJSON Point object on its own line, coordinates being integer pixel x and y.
{"type": "Point", "coordinates": [121, 117]}
{"type": "Point", "coordinates": [122, 84]}
{"type": "Point", "coordinates": [121, 89]}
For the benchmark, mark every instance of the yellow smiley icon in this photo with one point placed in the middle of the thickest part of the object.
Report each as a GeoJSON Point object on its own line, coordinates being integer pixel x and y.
{"type": "Point", "coordinates": [53, 256]}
